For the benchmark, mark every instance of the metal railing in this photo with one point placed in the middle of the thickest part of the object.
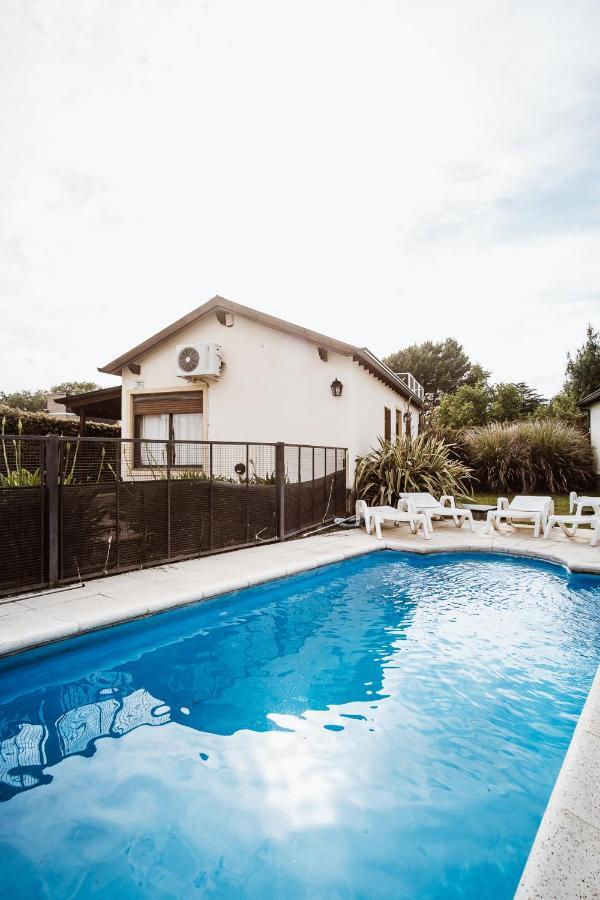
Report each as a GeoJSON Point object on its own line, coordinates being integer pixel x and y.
{"type": "Point", "coordinates": [75, 508]}
{"type": "Point", "coordinates": [411, 383]}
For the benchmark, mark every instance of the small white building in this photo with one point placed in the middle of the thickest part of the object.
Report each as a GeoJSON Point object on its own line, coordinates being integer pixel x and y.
{"type": "Point", "coordinates": [226, 372]}
{"type": "Point", "coordinates": [591, 404]}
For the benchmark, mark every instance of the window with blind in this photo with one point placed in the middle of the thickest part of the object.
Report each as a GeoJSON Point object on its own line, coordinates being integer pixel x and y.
{"type": "Point", "coordinates": [159, 418]}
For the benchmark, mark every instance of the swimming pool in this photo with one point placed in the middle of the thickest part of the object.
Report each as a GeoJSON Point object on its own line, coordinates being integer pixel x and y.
{"type": "Point", "coordinates": [390, 726]}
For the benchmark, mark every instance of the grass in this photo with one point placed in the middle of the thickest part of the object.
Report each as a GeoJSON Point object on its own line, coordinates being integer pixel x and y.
{"type": "Point", "coordinates": [561, 501]}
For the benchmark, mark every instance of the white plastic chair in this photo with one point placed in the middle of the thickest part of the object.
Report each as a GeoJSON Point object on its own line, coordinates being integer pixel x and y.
{"type": "Point", "coordinates": [375, 516]}
{"type": "Point", "coordinates": [578, 504]}
{"type": "Point", "coordinates": [569, 525]}
{"type": "Point", "coordinates": [523, 510]}
{"type": "Point", "coordinates": [444, 508]}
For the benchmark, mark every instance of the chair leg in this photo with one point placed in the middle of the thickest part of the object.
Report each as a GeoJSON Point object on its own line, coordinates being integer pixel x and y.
{"type": "Point", "coordinates": [595, 536]}
{"type": "Point", "coordinates": [536, 526]}
{"type": "Point", "coordinates": [378, 529]}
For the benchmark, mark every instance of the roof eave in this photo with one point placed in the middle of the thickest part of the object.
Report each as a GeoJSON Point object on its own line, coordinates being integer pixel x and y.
{"type": "Point", "coordinates": [360, 354]}
{"type": "Point", "coordinates": [379, 370]}
{"type": "Point", "coordinates": [215, 303]}
{"type": "Point", "coordinates": [594, 397]}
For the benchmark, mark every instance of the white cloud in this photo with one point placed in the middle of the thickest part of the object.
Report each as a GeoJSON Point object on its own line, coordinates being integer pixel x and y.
{"type": "Point", "coordinates": [359, 168]}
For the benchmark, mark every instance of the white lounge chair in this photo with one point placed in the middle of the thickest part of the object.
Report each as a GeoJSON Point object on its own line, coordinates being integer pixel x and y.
{"type": "Point", "coordinates": [523, 510]}
{"type": "Point", "coordinates": [569, 524]}
{"type": "Point", "coordinates": [444, 508]}
{"type": "Point", "coordinates": [578, 504]}
{"type": "Point", "coordinates": [375, 516]}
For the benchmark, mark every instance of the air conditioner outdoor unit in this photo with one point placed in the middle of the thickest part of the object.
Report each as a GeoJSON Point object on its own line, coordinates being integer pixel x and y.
{"type": "Point", "coordinates": [199, 360]}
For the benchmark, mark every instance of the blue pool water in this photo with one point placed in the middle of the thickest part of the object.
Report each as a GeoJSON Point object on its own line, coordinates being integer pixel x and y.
{"type": "Point", "coordinates": [387, 727]}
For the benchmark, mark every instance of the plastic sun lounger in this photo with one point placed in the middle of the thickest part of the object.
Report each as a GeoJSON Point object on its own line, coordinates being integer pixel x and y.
{"type": "Point", "coordinates": [569, 524]}
{"type": "Point", "coordinates": [375, 516]}
{"type": "Point", "coordinates": [444, 508]}
{"type": "Point", "coordinates": [523, 510]}
{"type": "Point", "coordinates": [578, 504]}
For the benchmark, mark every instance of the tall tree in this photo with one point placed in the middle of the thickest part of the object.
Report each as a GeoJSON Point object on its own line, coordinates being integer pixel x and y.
{"type": "Point", "coordinates": [514, 401]}
{"type": "Point", "coordinates": [469, 405]}
{"type": "Point", "coordinates": [583, 370]}
{"type": "Point", "coordinates": [477, 404]}
{"type": "Point", "coordinates": [75, 387]}
{"type": "Point", "coordinates": [32, 401]}
{"type": "Point", "coordinates": [440, 367]}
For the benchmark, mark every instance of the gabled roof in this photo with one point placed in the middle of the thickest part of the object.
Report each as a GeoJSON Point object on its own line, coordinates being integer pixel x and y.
{"type": "Point", "coordinates": [594, 397]}
{"type": "Point", "coordinates": [361, 355]}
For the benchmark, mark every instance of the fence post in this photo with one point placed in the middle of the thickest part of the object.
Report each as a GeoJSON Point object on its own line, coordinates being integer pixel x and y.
{"type": "Point", "coordinates": [169, 448]}
{"type": "Point", "coordinates": [280, 489]}
{"type": "Point", "coordinates": [52, 506]}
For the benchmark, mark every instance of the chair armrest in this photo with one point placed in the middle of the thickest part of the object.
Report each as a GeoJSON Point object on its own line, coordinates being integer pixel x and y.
{"type": "Point", "coordinates": [447, 497]}
{"type": "Point", "coordinates": [402, 505]}
{"type": "Point", "coordinates": [503, 503]}
{"type": "Point", "coordinates": [361, 510]}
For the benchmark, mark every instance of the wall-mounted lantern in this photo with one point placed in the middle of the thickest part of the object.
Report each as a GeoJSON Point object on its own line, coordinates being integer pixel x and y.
{"type": "Point", "coordinates": [337, 387]}
{"type": "Point", "coordinates": [407, 422]}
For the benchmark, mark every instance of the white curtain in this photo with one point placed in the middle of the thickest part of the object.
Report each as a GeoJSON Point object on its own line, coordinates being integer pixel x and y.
{"type": "Point", "coordinates": [188, 427]}
{"type": "Point", "coordinates": [155, 428]}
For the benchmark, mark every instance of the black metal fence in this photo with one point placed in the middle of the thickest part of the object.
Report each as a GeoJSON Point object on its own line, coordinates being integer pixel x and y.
{"type": "Point", "coordinates": [75, 508]}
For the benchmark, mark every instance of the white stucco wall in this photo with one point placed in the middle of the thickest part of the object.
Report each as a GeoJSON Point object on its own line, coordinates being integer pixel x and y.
{"type": "Point", "coordinates": [595, 433]}
{"type": "Point", "coordinates": [274, 388]}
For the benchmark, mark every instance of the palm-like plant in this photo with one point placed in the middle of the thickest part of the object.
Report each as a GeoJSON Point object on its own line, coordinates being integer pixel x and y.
{"type": "Point", "coordinates": [424, 463]}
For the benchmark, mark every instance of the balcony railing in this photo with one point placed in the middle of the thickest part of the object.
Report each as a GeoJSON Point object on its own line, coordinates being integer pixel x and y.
{"type": "Point", "coordinates": [411, 383]}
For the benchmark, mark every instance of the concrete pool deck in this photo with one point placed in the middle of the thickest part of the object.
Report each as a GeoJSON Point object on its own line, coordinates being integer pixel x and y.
{"type": "Point", "coordinates": [565, 858]}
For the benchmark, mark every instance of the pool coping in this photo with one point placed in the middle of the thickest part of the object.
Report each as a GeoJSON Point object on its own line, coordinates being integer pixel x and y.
{"type": "Point", "coordinates": [564, 861]}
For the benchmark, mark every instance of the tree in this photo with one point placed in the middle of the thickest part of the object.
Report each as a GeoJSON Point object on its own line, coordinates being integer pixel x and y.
{"type": "Point", "coordinates": [469, 405]}
{"type": "Point", "coordinates": [440, 367]}
{"type": "Point", "coordinates": [481, 403]}
{"type": "Point", "coordinates": [512, 402]}
{"type": "Point", "coordinates": [33, 401]}
{"type": "Point", "coordinates": [507, 403]}
{"type": "Point", "coordinates": [75, 387]}
{"type": "Point", "coordinates": [583, 371]}
{"type": "Point", "coordinates": [531, 399]}
{"type": "Point", "coordinates": [563, 406]}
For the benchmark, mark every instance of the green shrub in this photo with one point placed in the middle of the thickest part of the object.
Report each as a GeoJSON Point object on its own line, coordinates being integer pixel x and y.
{"type": "Point", "coordinates": [424, 463]}
{"type": "Point", "coordinates": [42, 424]}
{"type": "Point", "coordinates": [546, 455]}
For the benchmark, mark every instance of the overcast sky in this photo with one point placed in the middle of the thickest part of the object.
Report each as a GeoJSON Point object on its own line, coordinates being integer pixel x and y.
{"type": "Point", "coordinates": [383, 172]}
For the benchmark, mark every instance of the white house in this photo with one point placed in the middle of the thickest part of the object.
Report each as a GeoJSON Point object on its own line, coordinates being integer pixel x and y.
{"type": "Point", "coordinates": [591, 403]}
{"type": "Point", "coordinates": [226, 372]}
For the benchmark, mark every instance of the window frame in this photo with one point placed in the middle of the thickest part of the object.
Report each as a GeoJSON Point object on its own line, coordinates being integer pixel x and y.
{"type": "Point", "coordinates": [387, 424]}
{"type": "Point", "coordinates": [170, 442]}
{"type": "Point", "coordinates": [184, 399]}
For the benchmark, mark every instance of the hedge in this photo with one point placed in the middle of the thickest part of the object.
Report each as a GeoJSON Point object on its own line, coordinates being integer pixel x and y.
{"type": "Point", "coordinates": [530, 456]}
{"type": "Point", "coordinates": [42, 424]}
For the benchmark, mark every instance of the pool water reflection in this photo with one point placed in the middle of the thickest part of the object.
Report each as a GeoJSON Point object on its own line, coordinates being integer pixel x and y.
{"type": "Point", "coordinates": [388, 726]}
